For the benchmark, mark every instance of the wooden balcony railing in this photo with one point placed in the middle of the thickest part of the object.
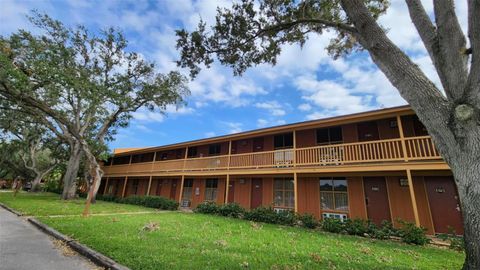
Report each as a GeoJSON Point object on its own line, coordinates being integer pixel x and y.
{"type": "Point", "coordinates": [416, 148]}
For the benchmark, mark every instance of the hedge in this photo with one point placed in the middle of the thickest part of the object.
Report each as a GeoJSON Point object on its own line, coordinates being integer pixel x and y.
{"type": "Point", "coordinates": [408, 232]}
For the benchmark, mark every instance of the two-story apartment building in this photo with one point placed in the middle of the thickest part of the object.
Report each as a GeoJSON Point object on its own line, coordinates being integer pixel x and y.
{"type": "Point", "coordinates": [378, 165]}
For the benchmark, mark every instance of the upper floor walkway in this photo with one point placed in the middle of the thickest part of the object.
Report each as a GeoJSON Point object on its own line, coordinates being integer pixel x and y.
{"type": "Point", "coordinates": [376, 153]}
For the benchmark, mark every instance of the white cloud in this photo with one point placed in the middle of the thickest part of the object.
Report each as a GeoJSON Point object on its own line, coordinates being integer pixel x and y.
{"type": "Point", "coordinates": [261, 123]}
{"type": "Point", "coordinates": [304, 107]}
{"type": "Point", "coordinates": [233, 127]}
{"type": "Point", "coordinates": [273, 107]}
{"type": "Point", "coordinates": [330, 96]}
{"type": "Point", "coordinates": [210, 134]}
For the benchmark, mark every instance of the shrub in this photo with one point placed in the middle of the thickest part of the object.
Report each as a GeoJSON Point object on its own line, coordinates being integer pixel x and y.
{"type": "Point", "coordinates": [231, 210]}
{"type": "Point", "coordinates": [207, 208]}
{"type": "Point", "coordinates": [268, 215]}
{"type": "Point", "coordinates": [286, 217]}
{"type": "Point", "coordinates": [332, 225]}
{"type": "Point", "coordinates": [456, 241]}
{"type": "Point", "coordinates": [150, 201]}
{"type": "Point", "coordinates": [308, 221]}
{"type": "Point", "coordinates": [356, 227]}
{"type": "Point", "coordinates": [385, 231]}
{"type": "Point", "coordinates": [106, 198]}
{"type": "Point", "coordinates": [411, 234]}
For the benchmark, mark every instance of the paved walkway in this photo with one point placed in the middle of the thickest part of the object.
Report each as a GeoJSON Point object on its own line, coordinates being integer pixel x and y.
{"type": "Point", "coordinates": [23, 246]}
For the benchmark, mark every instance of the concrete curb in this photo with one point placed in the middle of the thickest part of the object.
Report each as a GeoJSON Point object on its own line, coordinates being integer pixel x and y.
{"type": "Point", "coordinates": [94, 256]}
{"type": "Point", "coordinates": [11, 210]}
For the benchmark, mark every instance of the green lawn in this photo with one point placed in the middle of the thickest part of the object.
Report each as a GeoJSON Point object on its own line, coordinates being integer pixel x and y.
{"type": "Point", "coordinates": [195, 241]}
{"type": "Point", "coordinates": [43, 204]}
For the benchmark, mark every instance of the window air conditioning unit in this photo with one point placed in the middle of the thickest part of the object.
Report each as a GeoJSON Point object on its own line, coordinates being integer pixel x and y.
{"type": "Point", "coordinates": [342, 217]}
{"type": "Point", "coordinates": [186, 203]}
{"type": "Point", "coordinates": [279, 210]}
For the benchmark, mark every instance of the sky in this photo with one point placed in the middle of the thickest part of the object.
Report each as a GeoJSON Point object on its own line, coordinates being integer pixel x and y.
{"type": "Point", "coordinates": [305, 84]}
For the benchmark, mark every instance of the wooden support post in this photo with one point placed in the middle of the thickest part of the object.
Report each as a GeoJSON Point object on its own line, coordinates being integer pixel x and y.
{"type": "Point", "coordinates": [402, 137]}
{"type": "Point", "coordinates": [124, 186]}
{"type": "Point", "coordinates": [181, 190]}
{"type": "Point", "coordinates": [227, 188]}
{"type": "Point", "coordinates": [185, 160]}
{"type": "Point", "coordinates": [412, 197]}
{"type": "Point", "coordinates": [229, 153]}
{"type": "Point", "coordinates": [295, 190]}
{"type": "Point", "coordinates": [149, 185]}
{"type": "Point", "coordinates": [106, 187]}
{"type": "Point", "coordinates": [294, 148]}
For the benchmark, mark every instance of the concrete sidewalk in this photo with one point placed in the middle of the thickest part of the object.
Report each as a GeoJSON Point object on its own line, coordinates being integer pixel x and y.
{"type": "Point", "coordinates": [23, 246]}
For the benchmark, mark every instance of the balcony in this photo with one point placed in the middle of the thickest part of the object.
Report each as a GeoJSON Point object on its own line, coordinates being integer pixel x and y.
{"type": "Point", "coordinates": [372, 152]}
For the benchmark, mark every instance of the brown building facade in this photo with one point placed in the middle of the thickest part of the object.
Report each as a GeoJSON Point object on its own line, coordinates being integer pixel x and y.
{"type": "Point", "coordinates": [378, 165]}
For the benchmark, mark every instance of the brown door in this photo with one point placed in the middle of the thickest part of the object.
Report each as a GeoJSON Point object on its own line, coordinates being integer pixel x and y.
{"type": "Point", "coordinates": [158, 190]}
{"type": "Point", "coordinates": [231, 192]}
{"type": "Point", "coordinates": [257, 191]}
{"type": "Point", "coordinates": [367, 131]}
{"type": "Point", "coordinates": [173, 190]}
{"type": "Point", "coordinates": [258, 144]}
{"type": "Point", "coordinates": [444, 204]}
{"type": "Point", "coordinates": [376, 199]}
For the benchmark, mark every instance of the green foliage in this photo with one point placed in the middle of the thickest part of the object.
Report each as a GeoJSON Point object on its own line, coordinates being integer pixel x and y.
{"type": "Point", "coordinates": [250, 33]}
{"type": "Point", "coordinates": [207, 208]}
{"type": "Point", "coordinates": [384, 231]}
{"type": "Point", "coordinates": [231, 210]}
{"type": "Point", "coordinates": [411, 234]}
{"type": "Point", "coordinates": [308, 221]}
{"type": "Point", "coordinates": [268, 215]}
{"type": "Point", "coordinates": [356, 227]}
{"type": "Point", "coordinates": [150, 202]}
{"type": "Point", "coordinates": [457, 242]}
{"type": "Point", "coordinates": [106, 198]}
{"type": "Point", "coordinates": [81, 85]}
{"type": "Point", "coordinates": [332, 225]}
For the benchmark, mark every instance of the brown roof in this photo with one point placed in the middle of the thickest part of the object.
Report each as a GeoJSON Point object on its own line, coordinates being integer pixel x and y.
{"type": "Point", "coordinates": [343, 119]}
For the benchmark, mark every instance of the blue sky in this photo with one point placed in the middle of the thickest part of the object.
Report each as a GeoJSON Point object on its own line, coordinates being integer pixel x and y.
{"type": "Point", "coordinates": [305, 84]}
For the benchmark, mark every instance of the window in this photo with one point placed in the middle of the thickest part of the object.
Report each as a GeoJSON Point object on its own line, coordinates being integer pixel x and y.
{"type": "Point", "coordinates": [147, 157]}
{"type": "Point", "coordinates": [211, 189]}
{"type": "Point", "coordinates": [330, 135]}
{"type": "Point", "coordinates": [334, 194]}
{"type": "Point", "coordinates": [214, 149]}
{"type": "Point", "coordinates": [192, 152]}
{"type": "Point", "coordinates": [121, 160]}
{"type": "Point", "coordinates": [283, 141]}
{"type": "Point", "coordinates": [187, 189]}
{"type": "Point", "coordinates": [283, 193]}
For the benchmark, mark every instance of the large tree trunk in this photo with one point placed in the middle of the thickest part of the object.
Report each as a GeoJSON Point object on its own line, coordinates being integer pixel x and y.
{"type": "Point", "coordinates": [466, 171]}
{"type": "Point", "coordinates": [36, 183]}
{"type": "Point", "coordinates": [70, 176]}
{"type": "Point", "coordinates": [452, 121]}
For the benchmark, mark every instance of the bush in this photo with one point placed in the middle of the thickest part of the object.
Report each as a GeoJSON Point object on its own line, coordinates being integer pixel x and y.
{"type": "Point", "coordinates": [268, 215]}
{"type": "Point", "coordinates": [411, 234]}
{"type": "Point", "coordinates": [356, 227]}
{"type": "Point", "coordinates": [106, 198]}
{"type": "Point", "coordinates": [150, 201]}
{"type": "Point", "coordinates": [308, 221]}
{"type": "Point", "coordinates": [286, 217]}
{"type": "Point", "coordinates": [456, 241]}
{"type": "Point", "coordinates": [231, 210]}
{"type": "Point", "coordinates": [332, 225]}
{"type": "Point", "coordinates": [207, 208]}
{"type": "Point", "coordinates": [385, 231]}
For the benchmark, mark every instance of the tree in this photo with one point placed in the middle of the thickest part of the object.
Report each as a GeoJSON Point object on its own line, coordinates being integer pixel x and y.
{"type": "Point", "coordinates": [248, 34]}
{"type": "Point", "coordinates": [29, 143]}
{"type": "Point", "coordinates": [84, 86]}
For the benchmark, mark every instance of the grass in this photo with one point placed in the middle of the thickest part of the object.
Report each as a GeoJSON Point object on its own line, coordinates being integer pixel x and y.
{"type": "Point", "coordinates": [196, 241]}
{"type": "Point", "coordinates": [47, 204]}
